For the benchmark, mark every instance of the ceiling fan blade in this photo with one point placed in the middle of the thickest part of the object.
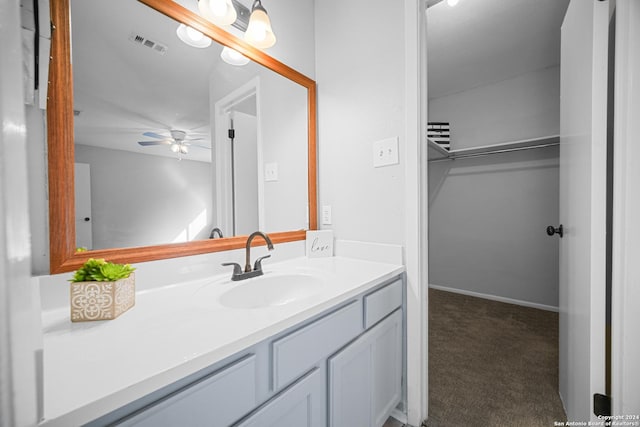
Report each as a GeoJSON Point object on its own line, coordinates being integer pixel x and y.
{"type": "Point", "coordinates": [199, 146]}
{"type": "Point", "coordinates": [193, 139]}
{"type": "Point", "coordinates": [146, 143]}
{"type": "Point", "coordinates": [155, 135]}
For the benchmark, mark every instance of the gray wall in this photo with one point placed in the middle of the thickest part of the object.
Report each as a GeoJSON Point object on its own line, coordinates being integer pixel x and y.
{"type": "Point", "coordinates": [523, 107]}
{"type": "Point", "coordinates": [140, 200]}
{"type": "Point", "coordinates": [487, 220]}
{"type": "Point", "coordinates": [487, 215]}
{"type": "Point", "coordinates": [282, 110]}
{"type": "Point", "coordinates": [361, 86]}
{"type": "Point", "coordinates": [284, 141]}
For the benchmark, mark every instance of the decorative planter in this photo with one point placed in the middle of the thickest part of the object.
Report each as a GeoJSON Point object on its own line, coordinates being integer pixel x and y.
{"type": "Point", "coordinates": [101, 300]}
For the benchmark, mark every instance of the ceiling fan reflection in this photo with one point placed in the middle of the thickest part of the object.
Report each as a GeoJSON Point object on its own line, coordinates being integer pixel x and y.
{"type": "Point", "coordinates": [177, 141]}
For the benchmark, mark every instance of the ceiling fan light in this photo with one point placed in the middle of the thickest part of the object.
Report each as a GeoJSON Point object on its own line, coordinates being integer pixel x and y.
{"type": "Point", "coordinates": [259, 32]}
{"type": "Point", "coordinates": [193, 37]}
{"type": "Point", "coordinates": [184, 149]}
{"type": "Point", "coordinates": [175, 147]}
{"type": "Point", "coordinates": [220, 12]}
{"type": "Point", "coordinates": [233, 57]}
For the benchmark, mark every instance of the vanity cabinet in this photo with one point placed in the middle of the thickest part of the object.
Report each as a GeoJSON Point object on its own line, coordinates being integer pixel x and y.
{"type": "Point", "coordinates": [341, 368]}
{"type": "Point", "coordinates": [365, 378]}
{"type": "Point", "coordinates": [218, 399]}
{"type": "Point", "coordinates": [297, 352]}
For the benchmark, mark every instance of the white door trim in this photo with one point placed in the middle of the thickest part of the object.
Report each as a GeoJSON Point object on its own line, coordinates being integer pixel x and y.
{"type": "Point", "coordinates": [19, 313]}
{"type": "Point", "coordinates": [415, 209]}
{"type": "Point", "coordinates": [625, 351]}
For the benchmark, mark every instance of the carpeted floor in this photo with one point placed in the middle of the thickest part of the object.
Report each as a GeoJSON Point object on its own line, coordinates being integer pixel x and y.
{"type": "Point", "coordinates": [491, 363]}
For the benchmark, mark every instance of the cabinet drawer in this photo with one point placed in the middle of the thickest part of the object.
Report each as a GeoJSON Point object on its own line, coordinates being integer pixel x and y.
{"type": "Point", "coordinates": [296, 353]}
{"type": "Point", "coordinates": [379, 304]}
{"type": "Point", "coordinates": [216, 400]}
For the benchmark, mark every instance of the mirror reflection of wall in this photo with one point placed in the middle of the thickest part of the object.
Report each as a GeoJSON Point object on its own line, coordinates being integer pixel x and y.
{"type": "Point", "coordinates": [145, 126]}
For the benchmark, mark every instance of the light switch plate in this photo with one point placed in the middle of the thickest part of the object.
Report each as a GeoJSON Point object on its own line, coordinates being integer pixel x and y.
{"type": "Point", "coordinates": [326, 215]}
{"type": "Point", "coordinates": [270, 172]}
{"type": "Point", "coordinates": [385, 152]}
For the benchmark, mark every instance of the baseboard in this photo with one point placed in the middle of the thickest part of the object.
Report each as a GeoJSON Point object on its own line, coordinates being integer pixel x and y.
{"type": "Point", "coordinates": [496, 298]}
{"type": "Point", "coordinates": [399, 415]}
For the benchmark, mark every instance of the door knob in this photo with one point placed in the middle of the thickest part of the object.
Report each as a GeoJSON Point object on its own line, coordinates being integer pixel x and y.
{"type": "Point", "coordinates": [551, 230]}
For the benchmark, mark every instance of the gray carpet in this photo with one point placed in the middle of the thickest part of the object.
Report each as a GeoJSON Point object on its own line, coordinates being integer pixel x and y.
{"type": "Point", "coordinates": [491, 363]}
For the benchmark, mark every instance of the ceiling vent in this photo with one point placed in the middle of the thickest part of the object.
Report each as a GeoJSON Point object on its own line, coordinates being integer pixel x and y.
{"type": "Point", "coordinates": [143, 41]}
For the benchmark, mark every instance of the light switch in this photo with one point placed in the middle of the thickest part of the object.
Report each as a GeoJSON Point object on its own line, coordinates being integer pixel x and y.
{"type": "Point", "coordinates": [385, 152]}
{"type": "Point", "coordinates": [326, 215]}
{"type": "Point", "coordinates": [270, 172]}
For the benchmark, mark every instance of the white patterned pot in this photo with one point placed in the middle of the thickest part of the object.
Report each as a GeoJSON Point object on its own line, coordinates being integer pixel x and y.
{"type": "Point", "coordinates": [102, 300]}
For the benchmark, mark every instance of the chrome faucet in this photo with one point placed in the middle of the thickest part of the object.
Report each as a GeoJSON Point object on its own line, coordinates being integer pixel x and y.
{"type": "Point", "coordinates": [249, 272]}
{"type": "Point", "coordinates": [214, 232]}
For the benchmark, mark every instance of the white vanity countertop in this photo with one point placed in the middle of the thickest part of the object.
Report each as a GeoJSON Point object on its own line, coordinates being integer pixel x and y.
{"type": "Point", "coordinates": [93, 368]}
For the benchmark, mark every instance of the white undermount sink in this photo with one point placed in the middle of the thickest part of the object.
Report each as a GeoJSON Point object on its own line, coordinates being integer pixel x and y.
{"type": "Point", "coordinates": [272, 289]}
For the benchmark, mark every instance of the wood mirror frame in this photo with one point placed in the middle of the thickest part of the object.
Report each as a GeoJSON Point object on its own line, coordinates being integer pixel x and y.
{"type": "Point", "coordinates": [61, 152]}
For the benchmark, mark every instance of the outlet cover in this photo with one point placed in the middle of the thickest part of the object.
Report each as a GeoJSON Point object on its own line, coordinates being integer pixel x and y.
{"type": "Point", "coordinates": [385, 152]}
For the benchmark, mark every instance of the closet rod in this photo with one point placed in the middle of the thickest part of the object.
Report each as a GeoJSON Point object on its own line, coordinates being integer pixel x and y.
{"type": "Point", "coordinates": [486, 153]}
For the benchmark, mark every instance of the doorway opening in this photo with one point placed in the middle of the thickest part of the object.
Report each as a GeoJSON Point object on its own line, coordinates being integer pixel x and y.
{"type": "Point", "coordinates": [493, 137]}
{"type": "Point", "coordinates": [238, 161]}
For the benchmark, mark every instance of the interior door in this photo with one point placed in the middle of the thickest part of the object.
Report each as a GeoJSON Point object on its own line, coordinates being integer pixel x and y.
{"type": "Point", "coordinates": [245, 169]}
{"type": "Point", "coordinates": [583, 114]}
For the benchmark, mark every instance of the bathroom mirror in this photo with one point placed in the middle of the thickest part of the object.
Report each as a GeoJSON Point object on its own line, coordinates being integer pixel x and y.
{"type": "Point", "coordinates": [127, 123]}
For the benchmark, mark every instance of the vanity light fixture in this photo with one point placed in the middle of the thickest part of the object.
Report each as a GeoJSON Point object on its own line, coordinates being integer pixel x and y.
{"type": "Point", "coordinates": [220, 12]}
{"type": "Point", "coordinates": [259, 32]}
{"type": "Point", "coordinates": [192, 37]}
{"type": "Point", "coordinates": [233, 57]}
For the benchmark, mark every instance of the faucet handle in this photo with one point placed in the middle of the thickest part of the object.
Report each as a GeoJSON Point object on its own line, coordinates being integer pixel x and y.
{"type": "Point", "coordinates": [257, 266]}
{"type": "Point", "coordinates": [236, 267]}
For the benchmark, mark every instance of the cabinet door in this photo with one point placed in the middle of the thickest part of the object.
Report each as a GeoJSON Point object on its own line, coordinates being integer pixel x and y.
{"type": "Point", "coordinates": [300, 405]}
{"type": "Point", "coordinates": [216, 400]}
{"type": "Point", "coordinates": [365, 378]}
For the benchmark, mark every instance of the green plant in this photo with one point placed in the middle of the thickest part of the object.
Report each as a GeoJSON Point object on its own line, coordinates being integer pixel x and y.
{"type": "Point", "coordinates": [99, 270]}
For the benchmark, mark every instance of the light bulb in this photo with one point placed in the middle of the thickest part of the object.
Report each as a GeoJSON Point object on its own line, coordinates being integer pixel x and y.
{"type": "Point", "coordinates": [194, 35]}
{"type": "Point", "coordinates": [175, 147]}
{"type": "Point", "coordinates": [220, 12]}
{"type": "Point", "coordinates": [233, 57]}
{"type": "Point", "coordinates": [218, 7]}
{"type": "Point", "coordinates": [452, 2]}
{"type": "Point", "coordinates": [259, 32]}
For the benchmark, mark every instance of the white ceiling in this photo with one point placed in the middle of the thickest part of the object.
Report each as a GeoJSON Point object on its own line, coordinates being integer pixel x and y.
{"type": "Point", "coordinates": [479, 42]}
{"type": "Point", "coordinates": [123, 89]}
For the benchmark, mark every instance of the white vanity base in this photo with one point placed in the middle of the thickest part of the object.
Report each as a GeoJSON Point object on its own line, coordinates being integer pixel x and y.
{"type": "Point", "coordinates": [177, 331]}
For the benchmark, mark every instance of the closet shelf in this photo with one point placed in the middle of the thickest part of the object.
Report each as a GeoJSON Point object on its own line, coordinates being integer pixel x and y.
{"type": "Point", "coordinates": [524, 144]}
